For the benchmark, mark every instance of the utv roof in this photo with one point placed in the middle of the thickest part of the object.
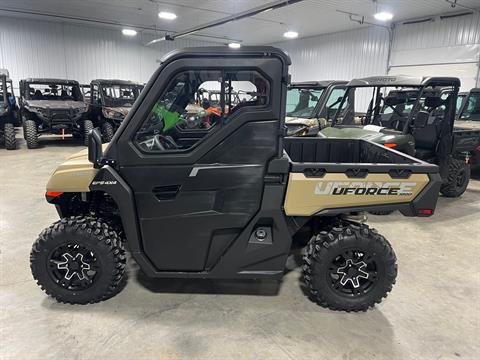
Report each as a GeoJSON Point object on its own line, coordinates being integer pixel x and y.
{"type": "Point", "coordinates": [402, 80]}
{"type": "Point", "coordinates": [224, 51]}
{"type": "Point", "coordinates": [475, 90]}
{"type": "Point", "coordinates": [114, 82]}
{"type": "Point", "coordinates": [51, 81]}
{"type": "Point", "coordinates": [317, 84]}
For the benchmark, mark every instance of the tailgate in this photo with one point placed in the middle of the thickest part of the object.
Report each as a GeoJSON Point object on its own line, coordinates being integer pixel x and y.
{"type": "Point", "coordinates": [333, 176]}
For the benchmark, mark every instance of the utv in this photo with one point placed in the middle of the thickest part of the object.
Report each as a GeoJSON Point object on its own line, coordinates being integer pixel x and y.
{"type": "Point", "coordinates": [110, 102]}
{"type": "Point", "coordinates": [311, 105]}
{"type": "Point", "coordinates": [413, 115]}
{"type": "Point", "coordinates": [228, 201]}
{"type": "Point", "coordinates": [53, 106]}
{"type": "Point", "coordinates": [468, 121]}
{"type": "Point", "coordinates": [8, 111]}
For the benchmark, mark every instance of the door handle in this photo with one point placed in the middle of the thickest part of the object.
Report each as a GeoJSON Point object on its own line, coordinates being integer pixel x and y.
{"type": "Point", "coordinates": [167, 192]}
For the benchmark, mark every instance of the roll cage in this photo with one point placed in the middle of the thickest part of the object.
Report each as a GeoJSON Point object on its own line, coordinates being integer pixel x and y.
{"type": "Point", "coordinates": [426, 93]}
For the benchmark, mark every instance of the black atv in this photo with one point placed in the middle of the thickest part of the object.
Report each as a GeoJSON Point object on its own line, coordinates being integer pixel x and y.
{"type": "Point", "coordinates": [230, 200]}
{"type": "Point", "coordinates": [8, 111]}
{"type": "Point", "coordinates": [110, 102]}
{"type": "Point", "coordinates": [53, 106]}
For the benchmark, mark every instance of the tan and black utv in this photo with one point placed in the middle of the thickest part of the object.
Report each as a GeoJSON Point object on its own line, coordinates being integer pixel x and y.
{"type": "Point", "coordinates": [228, 201]}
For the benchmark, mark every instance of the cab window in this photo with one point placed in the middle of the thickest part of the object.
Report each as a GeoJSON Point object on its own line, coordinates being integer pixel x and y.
{"type": "Point", "coordinates": [197, 103]}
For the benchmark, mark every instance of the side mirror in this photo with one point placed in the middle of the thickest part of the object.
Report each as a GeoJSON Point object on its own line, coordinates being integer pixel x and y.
{"type": "Point", "coordinates": [421, 119]}
{"type": "Point", "coordinates": [95, 152]}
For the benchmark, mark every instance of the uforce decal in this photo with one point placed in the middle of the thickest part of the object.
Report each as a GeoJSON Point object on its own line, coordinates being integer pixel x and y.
{"type": "Point", "coordinates": [365, 188]}
{"type": "Point", "coordinates": [104, 182]}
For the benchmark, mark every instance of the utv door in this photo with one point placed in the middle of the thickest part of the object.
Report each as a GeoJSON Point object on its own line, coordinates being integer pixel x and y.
{"type": "Point", "coordinates": [194, 196]}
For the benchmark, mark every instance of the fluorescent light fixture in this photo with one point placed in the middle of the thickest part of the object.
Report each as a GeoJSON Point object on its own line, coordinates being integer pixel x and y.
{"type": "Point", "coordinates": [234, 45]}
{"type": "Point", "coordinates": [167, 15]}
{"type": "Point", "coordinates": [291, 34]}
{"type": "Point", "coordinates": [129, 32]}
{"type": "Point", "coordinates": [383, 16]}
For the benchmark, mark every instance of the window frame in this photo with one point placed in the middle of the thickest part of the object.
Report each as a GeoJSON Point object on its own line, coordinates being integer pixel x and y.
{"type": "Point", "coordinates": [213, 129]}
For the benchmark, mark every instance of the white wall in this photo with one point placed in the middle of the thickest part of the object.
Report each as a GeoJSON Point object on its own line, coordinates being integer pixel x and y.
{"type": "Point", "coordinates": [339, 56]}
{"type": "Point", "coordinates": [51, 49]}
{"type": "Point", "coordinates": [444, 47]}
{"type": "Point", "coordinates": [448, 47]}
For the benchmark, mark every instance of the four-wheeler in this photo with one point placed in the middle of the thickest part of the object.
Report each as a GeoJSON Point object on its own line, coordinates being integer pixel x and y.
{"type": "Point", "coordinates": [227, 201]}
{"type": "Point", "coordinates": [52, 106]}
{"type": "Point", "coordinates": [8, 111]}
{"type": "Point", "coordinates": [468, 121]}
{"type": "Point", "coordinates": [414, 115]}
{"type": "Point", "coordinates": [110, 102]}
{"type": "Point", "coordinates": [311, 105]}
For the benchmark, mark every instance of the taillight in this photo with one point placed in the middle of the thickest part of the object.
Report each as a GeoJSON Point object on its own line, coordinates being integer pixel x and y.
{"type": "Point", "coordinates": [425, 212]}
{"type": "Point", "coordinates": [390, 145]}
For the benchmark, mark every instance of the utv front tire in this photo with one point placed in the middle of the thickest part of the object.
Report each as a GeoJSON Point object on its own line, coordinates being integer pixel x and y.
{"type": "Point", "coordinates": [457, 180]}
{"type": "Point", "coordinates": [87, 127]}
{"type": "Point", "coordinates": [349, 268]}
{"type": "Point", "coordinates": [31, 134]}
{"type": "Point", "coordinates": [9, 136]}
{"type": "Point", "coordinates": [79, 260]}
{"type": "Point", "coordinates": [107, 132]}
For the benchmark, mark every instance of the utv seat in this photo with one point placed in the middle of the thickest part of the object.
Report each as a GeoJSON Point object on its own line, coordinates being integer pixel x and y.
{"type": "Point", "coordinates": [38, 95]}
{"type": "Point", "coordinates": [426, 138]}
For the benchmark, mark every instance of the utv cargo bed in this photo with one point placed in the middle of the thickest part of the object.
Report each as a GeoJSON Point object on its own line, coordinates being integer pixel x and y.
{"type": "Point", "coordinates": [346, 175]}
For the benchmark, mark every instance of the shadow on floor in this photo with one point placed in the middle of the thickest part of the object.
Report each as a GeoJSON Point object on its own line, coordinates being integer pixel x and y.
{"type": "Point", "coordinates": [209, 286]}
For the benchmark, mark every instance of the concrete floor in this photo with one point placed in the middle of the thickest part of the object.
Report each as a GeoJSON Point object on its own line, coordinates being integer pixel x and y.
{"type": "Point", "coordinates": [432, 313]}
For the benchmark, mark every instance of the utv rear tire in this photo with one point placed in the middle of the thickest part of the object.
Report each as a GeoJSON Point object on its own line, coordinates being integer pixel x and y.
{"type": "Point", "coordinates": [457, 180]}
{"type": "Point", "coordinates": [79, 260]}
{"type": "Point", "coordinates": [87, 127]}
{"type": "Point", "coordinates": [328, 262]}
{"type": "Point", "coordinates": [9, 136]}
{"type": "Point", "coordinates": [31, 134]}
{"type": "Point", "coordinates": [107, 132]}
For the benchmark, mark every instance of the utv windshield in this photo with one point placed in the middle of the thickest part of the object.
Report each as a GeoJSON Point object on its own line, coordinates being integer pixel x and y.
{"type": "Point", "coordinates": [53, 92]}
{"type": "Point", "coordinates": [460, 100]}
{"type": "Point", "coordinates": [119, 95]}
{"type": "Point", "coordinates": [302, 102]}
{"type": "Point", "coordinates": [471, 110]}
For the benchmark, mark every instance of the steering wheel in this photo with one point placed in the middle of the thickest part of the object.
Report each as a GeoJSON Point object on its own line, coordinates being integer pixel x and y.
{"type": "Point", "coordinates": [158, 142]}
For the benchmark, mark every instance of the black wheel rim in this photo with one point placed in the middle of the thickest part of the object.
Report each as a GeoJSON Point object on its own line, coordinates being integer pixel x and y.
{"type": "Point", "coordinates": [353, 273]}
{"type": "Point", "coordinates": [73, 267]}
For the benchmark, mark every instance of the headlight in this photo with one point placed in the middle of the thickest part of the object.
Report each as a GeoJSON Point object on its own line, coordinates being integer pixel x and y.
{"type": "Point", "coordinates": [112, 114]}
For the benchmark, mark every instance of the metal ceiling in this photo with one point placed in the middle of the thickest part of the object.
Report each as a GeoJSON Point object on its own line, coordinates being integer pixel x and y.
{"type": "Point", "coordinates": [309, 18]}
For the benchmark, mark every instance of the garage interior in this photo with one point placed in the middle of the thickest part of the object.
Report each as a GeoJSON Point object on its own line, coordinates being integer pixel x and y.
{"type": "Point", "coordinates": [432, 311]}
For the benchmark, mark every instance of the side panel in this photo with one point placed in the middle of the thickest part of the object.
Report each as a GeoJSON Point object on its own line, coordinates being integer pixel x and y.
{"type": "Point", "coordinates": [307, 196]}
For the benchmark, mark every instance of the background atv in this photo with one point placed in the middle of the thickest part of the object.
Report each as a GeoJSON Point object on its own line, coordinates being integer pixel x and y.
{"type": "Point", "coordinates": [53, 106]}
{"type": "Point", "coordinates": [227, 201]}
{"type": "Point", "coordinates": [468, 121]}
{"type": "Point", "coordinates": [8, 111]}
{"type": "Point", "coordinates": [311, 105]}
{"type": "Point", "coordinates": [415, 116]}
{"type": "Point", "coordinates": [110, 102]}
